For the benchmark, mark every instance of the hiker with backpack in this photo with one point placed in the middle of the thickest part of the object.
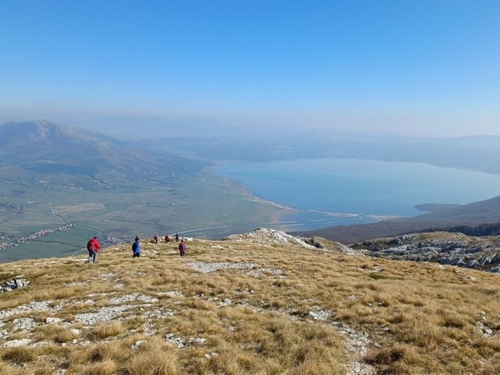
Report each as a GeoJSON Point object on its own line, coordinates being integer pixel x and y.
{"type": "Point", "coordinates": [182, 248]}
{"type": "Point", "coordinates": [93, 247]}
{"type": "Point", "coordinates": [136, 248]}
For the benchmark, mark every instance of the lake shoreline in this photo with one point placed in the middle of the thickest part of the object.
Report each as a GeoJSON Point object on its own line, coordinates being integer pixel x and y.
{"type": "Point", "coordinates": [318, 193]}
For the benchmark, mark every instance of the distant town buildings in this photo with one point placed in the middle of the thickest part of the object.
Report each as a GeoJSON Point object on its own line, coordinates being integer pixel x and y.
{"type": "Point", "coordinates": [32, 236]}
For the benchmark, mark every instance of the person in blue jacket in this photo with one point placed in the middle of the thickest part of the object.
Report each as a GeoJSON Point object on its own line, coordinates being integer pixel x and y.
{"type": "Point", "coordinates": [136, 248]}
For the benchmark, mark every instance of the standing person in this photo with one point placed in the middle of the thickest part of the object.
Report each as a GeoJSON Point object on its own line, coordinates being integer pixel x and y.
{"type": "Point", "coordinates": [136, 248]}
{"type": "Point", "coordinates": [176, 237]}
{"type": "Point", "coordinates": [156, 238]}
{"type": "Point", "coordinates": [167, 238]}
{"type": "Point", "coordinates": [182, 248]}
{"type": "Point", "coordinates": [93, 247]}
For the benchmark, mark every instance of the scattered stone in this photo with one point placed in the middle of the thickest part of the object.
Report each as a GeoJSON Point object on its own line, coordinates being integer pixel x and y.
{"type": "Point", "coordinates": [320, 315]}
{"type": "Point", "coordinates": [17, 343]}
{"type": "Point", "coordinates": [213, 267]}
{"type": "Point", "coordinates": [137, 344]}
{"type": "Point", "coordinates": [270, 236]}
{"type": "Point", "coordinates": [456, 249]}
{"type": "Point", "coordinates": [174, 293]}
{"type": "Point", "coordinates": [226, 302]}
{"type": "Point", "coordinates": [357, 343]}
{"type": "Point", "coordinates": [132, 298]}
{"type": "Point", "coordinates": [24, 324]}
{"type": "Point", "coordinates": [51, 320]}
{"type": "Point", "coordinates": [32, 306]}
{"type": "Point", "coordinates": [486, 331]}
{"type": "Point", "coordinates": [11, 285]}
{"type": "Point", "coordinates": [197, 340]}
{"type": "Point", "coordinates": [149, 329]}
{"type": "Point", "coordinates": [177, 341]}
{"type": "Point", "coordinates": [105, 314]}
{"type": "Point", "coordinates": [265, 271]}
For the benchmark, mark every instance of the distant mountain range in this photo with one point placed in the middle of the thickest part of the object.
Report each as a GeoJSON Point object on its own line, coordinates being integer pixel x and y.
{"type": "Point", "coordinates": [41, 148]}
{"type": "Point", "coordinates": [60, 186]}
{"type": "Point", "coordinates": [40, 155]}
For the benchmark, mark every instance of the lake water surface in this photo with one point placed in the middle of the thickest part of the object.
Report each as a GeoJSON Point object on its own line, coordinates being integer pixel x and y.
{"type": "Point", "coordinates": [327, 192]}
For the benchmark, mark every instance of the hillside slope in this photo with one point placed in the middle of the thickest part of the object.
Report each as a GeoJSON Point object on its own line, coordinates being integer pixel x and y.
{"type": "Point", "coordinates": [482, 212]}
{"type": "Point", "coordinates": [60, 185]}
{"type": "Point", "coordinates": [42, 148]}
{"type": "Point", "coordinates": [261, 303]}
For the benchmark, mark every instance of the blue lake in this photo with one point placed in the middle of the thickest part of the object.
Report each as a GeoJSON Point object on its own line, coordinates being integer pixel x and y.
{"type": "Point", "coordinates": [327, 192]}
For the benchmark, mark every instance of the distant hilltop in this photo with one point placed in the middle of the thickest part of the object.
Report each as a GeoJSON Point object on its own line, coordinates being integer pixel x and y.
{"type": "Point", "coordinates": [45, 148]}
{"type": "Point", "coordinates": [443, 217]}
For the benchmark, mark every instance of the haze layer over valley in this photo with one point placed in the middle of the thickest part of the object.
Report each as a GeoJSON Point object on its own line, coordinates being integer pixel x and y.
{"type": "Point", "coordinates": [61, 185]}
{"type": "Point", "coordinates": [172, 90]}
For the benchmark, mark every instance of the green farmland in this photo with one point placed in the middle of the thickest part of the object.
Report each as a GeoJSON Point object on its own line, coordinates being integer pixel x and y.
{"type": "Point", "coordinates": [201, 205]}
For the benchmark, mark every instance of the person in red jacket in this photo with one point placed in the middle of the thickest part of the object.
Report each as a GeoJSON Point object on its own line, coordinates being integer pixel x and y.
{"type": "Point", "coordinates": [93, 247]}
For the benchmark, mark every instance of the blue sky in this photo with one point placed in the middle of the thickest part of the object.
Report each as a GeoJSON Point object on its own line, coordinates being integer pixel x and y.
{"type": "Point", "coordinates": [424, 67]}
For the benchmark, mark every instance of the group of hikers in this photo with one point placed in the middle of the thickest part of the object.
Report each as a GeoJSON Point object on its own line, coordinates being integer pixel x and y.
{"type": "Point", "coordinates": [93, 247]}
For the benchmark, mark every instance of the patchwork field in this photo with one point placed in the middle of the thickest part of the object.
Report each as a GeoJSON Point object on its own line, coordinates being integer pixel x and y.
{"type": "Point", "coordinates": [63, 219]}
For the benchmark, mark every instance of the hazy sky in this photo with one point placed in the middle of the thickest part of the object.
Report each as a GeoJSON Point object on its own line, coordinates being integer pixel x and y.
{"type": "Point", "coordinates": [403, 66]}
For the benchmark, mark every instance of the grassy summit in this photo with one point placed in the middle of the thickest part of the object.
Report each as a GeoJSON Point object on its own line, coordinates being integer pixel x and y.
{"type": "Point", "coordinates": [254, 304]}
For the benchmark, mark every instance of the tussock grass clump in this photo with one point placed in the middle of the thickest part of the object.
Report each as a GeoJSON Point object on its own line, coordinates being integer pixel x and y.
{"type": "Point", "coordinates": [106, 367]}
{"type": "Point", "coordinates": [155, 362]}
{"type": "Point", "coordinates": [103, 331]}
{"type": "Point", "coordinates": [98, 356]}
{"type": "Point", "coordinates": [19, 355]}
{"type": "Point", "coordinates": [395, 359]}
{"type": "Point", "coordinates": [56, 333]}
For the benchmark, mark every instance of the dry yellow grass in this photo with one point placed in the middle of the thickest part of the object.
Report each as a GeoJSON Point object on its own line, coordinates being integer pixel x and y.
{"type": "Point", "coordinates": [262, 309]}
{"type": "Point", "coordinates": [104, 331]}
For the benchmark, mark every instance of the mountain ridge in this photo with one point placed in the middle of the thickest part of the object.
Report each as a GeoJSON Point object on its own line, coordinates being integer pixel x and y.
{"type": "Point", "coordinates": [40, 156]}
{"type": "Point", "coordinates": [482, 212]}
{"type": "Point", "coordinates": [45, 147]}
{"type": "Point", "coordinates": [254, 303]}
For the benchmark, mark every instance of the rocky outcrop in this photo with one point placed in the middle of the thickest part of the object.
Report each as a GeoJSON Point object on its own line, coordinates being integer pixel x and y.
{"type": "Point", "coordinates": [482, 253]}
{"type": "Point", "coordinates": [270, 236]}
{"type": "Point", "coordinates": [11, 285]}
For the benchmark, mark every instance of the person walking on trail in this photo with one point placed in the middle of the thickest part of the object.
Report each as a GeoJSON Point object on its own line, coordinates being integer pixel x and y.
{"type": "Point", "coordinates": [182, 248]}
{"type": "Point", "coordinates": [167, 238]}
{"type": "Point", "coordinates": [176, 237]}
{"type": "Point", "coordinates": [156, 238]}
{"type": "Point", "coordinates": [93, 247]}
{"type": "Point", "coordinates": [136, 248]}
